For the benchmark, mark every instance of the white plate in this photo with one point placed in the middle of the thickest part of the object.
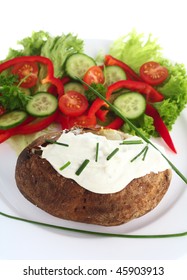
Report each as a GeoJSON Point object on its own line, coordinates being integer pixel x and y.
{"type": "Point", "coordinates": [168, 217]}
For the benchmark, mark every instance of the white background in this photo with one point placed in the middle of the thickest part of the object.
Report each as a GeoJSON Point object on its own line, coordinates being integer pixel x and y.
{"type": "Point", "coordinates": [166, 20]}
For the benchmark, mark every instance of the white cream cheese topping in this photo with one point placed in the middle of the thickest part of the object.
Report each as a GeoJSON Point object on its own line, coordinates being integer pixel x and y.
{"type": "Point", "coordinates": [103, 176]}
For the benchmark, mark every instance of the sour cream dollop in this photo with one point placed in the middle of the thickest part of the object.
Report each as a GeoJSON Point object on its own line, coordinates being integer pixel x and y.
{"type": "Point", "coordinates": [104, 175]}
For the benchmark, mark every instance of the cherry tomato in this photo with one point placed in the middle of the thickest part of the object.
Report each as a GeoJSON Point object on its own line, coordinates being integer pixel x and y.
{"type": "Point", "coordinates": [94, 75]}
{"type": "Point", "coordinates": [28, 72]}
{"type": "Point", "coordinates": [82, 121]}
{"type": "Point", "coordinates": [153, 73]}
{"type": "Point", "coordinates": [73, 103]}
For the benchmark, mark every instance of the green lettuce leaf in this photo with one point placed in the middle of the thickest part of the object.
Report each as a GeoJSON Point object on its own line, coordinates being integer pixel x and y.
{"type": "Point", "coordinates": [135, 49]}
{"type": "Point", "coordinates": [59, 48]}
{"type": "Point", "coordinates": [146, 128]}
{"type": "Point", "coordinates": [30, 45]}
{"type": "Point", "coordinates": [56, 48]}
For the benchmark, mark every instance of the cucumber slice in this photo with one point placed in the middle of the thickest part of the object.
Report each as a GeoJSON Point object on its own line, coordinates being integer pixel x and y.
{"type": "Point", "coordinates": [74, 86]}
{"type": "Point", "coordinates": [114, 74]}
{"type": "Point", "coordinates": [42, 104]}
{"type": "Point", "coordinates": [12, 119]}
{"type": "Point", "coordinates": [77, 64]}
{"type": "Point", "coordinates": [132, 105]}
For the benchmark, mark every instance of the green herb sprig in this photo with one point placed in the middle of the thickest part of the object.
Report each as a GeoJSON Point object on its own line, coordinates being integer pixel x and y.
{"type": "Point", "coordinates": [138, 132]}
{"type": "Point", "coordinates": [12, 96]}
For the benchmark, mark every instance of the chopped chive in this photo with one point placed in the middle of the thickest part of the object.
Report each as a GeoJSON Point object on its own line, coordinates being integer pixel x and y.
{"type": "Point", "coordinates": [112, 153]}
{"type": "Point", "coordinates": [142, 151]}
{"type": "Point", "coordinates": [97, 152]}
{"type": "Point", "coordinates": [81, 168]}
{"type": "Point", "coordinates": [145, 153]}
{"type": "Point", "coordinates": [131, 142]}
{"type": "Point", "coordinates": [65, 165]}
{"type": "Point", "coordinates": [56, 142]}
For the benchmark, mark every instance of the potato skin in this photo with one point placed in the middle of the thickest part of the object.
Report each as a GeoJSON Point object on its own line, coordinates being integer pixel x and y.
{"type": "Point", "coordinates": [42, 185]}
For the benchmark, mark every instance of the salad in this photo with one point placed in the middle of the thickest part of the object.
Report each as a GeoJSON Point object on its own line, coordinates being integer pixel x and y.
{"type": "Point", "coordinates": [51, 83]}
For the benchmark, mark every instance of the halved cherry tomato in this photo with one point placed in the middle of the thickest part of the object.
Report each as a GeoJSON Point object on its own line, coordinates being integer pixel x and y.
{"type": "Point", "coordinates": [26, 71]}
{"type": "Point", "coordinates": [94, 75]}
{"type": "Point", "coordinates": [67, 122]}
{"type": "Point", "coordinates": [153, 73]}
{"type": "Point", "coordinates": [82, 121]}
{"type": "Point", "coordinates": [73, 103]}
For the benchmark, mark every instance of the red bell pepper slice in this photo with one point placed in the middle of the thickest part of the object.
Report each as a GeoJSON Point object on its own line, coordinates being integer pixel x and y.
{"type": "Point", "coordinates": [37, 125]}
{"type": "Point", "coordinates": [96, 105]}
{"type": "Point", "coordinates": [5, 135]}
{"type": "Point", "coordinates": [160, 126]}
{"type": "Point", "coordinates": [53, 90]}
{"type": "Point", "coordinates": [115, 124]}
{"type": "Point", "coordinates": [101, 114]}
{"type": "Point", "coordinates": [40, 59]}
{"type": "Point", "coordinates": [152, 95]}
{"type": "Point", "coordinates": [28, 127]}
{"type": "Point", "coordinates": [110, 60]}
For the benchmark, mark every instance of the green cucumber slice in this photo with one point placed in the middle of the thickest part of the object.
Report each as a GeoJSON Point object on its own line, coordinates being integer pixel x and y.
{"type": "Point", "coordinates": [77, 64]}
{"type": "Point", "coordinates": [114, 74]}
{"type": "Point", "coordinates": [42, 104]}
{"type": "Point", "coordinates": [74, 86]}
{"type": "Point", "coordinates": [12, 119]}
{"type": "Point", "coordinates": [132, 105]}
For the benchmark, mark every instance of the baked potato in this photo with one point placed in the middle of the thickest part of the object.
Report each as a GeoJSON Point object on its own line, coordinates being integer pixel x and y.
{"type": "Point", "coordinates": [62, 197]}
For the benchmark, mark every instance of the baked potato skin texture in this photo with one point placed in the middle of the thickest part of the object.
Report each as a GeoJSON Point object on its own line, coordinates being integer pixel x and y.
{"type": "Point", "coordinates": [42, 185]}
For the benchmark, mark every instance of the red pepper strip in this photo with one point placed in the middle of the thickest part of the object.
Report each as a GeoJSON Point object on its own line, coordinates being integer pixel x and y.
{"type": "Point", "coordinates": [28, 128]}
{"type": "Point", "coordinates": [40, 59]}
{"type": "Point", "coordinates": [160, 126]}
{"type": "Point", "coordinates": [115, 124]}
{"type": "Point", "coordinates": [152, 95]}
{"type": "Point", "coordinates": [11, 130]}
{"type": "Point", "coordinates": [53, 90]}
{"type": "Point", "coordinates": [96, 105]}
{"type": "Point", "coordinates": [110, 60]}
{"type": "Point", "coordinates": [101, 114]}
{"type": "Point", "coordinates": [5, 135]}
{"type": "Point", "coordinates": [65, 80]}
{"type": "Point", "coordinates": [37, 126]}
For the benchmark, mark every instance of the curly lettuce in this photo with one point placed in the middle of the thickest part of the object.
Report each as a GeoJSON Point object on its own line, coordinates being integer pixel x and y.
{"type": "Point", "coordinates": [56, 48]}
{"type": "Point", "coordinates": [135, 49]}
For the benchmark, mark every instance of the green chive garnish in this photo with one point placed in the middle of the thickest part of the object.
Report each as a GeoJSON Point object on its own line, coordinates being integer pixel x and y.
{"type": "Point", "coordinates": [81, 168]}
{"type": "Point", "coordinates": [118, 113]}
{"type": "Point", "coordinates": [131, 142]}
{"type": "Point", "coordinates": [112, 154]}
{"type": "Point", "coordinates": [97, 152]}
{"type": "Point", "coordinates": [107, 234]}
{"type": "Point", "coordinates": [144, 150]}
{"type": "Point", "coordinates": [56, 142]}
{"type": "Point", "coordinates": [65, 165]}
{"type": "Point", "coordinates": [145, 153]}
